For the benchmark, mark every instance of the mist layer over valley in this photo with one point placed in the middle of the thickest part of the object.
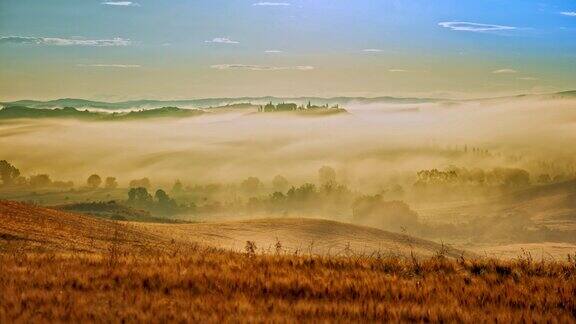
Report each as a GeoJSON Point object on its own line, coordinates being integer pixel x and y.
{"type": "Point", "coordinates": [476, 173]}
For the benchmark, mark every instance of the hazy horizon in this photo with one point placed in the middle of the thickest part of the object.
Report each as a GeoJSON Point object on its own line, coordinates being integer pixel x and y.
{"type": "Point", "coordinates": [472, 98]}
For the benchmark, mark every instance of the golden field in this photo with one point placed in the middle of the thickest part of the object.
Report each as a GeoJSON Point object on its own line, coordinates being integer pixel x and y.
{"type": "Point", "coordinates": [195, 285]}
{"type": "Point", "coordinates": [127, 275]}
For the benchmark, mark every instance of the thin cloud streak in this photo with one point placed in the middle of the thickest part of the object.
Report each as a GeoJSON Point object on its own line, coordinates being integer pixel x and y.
{"type": "Point", "coordinates": [222, 40]}
{"type": "Point", "coordinates": [528, 79]}
{"type": "Point", "coordinates": [251, 67]}
{"type": "Point", "coordinates": [123, 66]}
{"type": "Point", "coordinates": [505, 71]}
{"type": "Point", "coordinates": [57, 41]}
{"type": "Point", "coordinates": [271, 4]}
{"type": "Point", "coordinates": [473, 27]}
{"type": "Point", "coordinates": [121, 3]}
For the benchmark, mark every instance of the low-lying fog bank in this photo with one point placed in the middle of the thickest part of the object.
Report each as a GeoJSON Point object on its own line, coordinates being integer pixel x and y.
{"type": "Point", "coordinates": [370, 146]}
{"type": "Point", "coordinates": [471, 171]}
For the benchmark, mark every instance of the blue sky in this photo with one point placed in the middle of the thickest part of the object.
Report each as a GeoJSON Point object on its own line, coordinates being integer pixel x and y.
{"type": "Point", "coordinates": [187, 49]}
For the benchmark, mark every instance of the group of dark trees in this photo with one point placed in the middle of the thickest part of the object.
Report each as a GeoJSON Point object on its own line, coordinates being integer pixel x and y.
{"type": "Point", "coordinates": [509, 177]}
{"type": "Point", "coordinates": [10, 176]}
{"type": "Point", "coordinates": [160, 203]}
{"type": "Point", "coordinates": [283, 107]}
{"type": "Point", "coordinates": [326, 196]}
{"type": "Point", "coordinates": [8, 173]}
{"type": "Point", "coordinates": [94, 181]}
{"type": "Point", "coordinates": [16, 112]}
{"type": "Point", "coordinates": [329, 198]}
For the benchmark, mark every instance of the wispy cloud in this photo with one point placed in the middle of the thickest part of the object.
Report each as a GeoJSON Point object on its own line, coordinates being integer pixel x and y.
{"type": "Point", "coordinates": [372, 50]}
{"type": "Point", "coordinates": [473, 27]}
{"type": "Point", "coordinates": [222, 40]}
{"type": "Point", "coordinates": [272, 51]}
{"type": "Point", "coordinates": [505, 71]}
{"type": "Point", "coordinates": [569, 13]}
{"type": "Point", "coordinates": [121, 3]}
{"type": "Point", "coordinates": [57, 41]}
{"type": "Point", "coordinates": [397, 70]}
{"type": "Point", "coordinates": [123, 66]}
{"type": "Point", "coordinates": [528, 79]}
{"type": "Point", "coordinates": [272, 4]}
{"type": "Point", "coordinates": [260, 67]}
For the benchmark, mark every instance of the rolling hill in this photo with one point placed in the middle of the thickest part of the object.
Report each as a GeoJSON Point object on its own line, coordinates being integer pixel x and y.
{"type": "Point", "coordinates": [35, 228]}
{"type": "Point", "coordinates": [552, 204]}
{"type": "Point", "coordinates": [540, 220]}
{"type": "Point", "coordinates": [20, 112]}
{"type": "Point", "coordinates": [116, 283]}
{"type": "Point", "coordinates": [30, 228]}
{"type": "Point", "coordinates": [299, 235]}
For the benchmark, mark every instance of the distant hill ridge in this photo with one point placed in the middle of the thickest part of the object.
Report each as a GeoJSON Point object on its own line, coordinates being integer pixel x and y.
{"type": "Point", "coordinates": [217, 102]}
{"type": "Point", "coordinates": [15, 112]}
{"type": "Point", "coordinates": [208, 103]}
{"type": "Point", "coordinates": [220, 102]}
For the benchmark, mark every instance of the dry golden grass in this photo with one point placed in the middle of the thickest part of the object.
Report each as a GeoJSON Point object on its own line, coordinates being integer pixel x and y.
{"type": "Point", "coordinates": [32, 228]}
{"type": "Point", "coordinates": [131, 276]}
{"type": "Point", "coordinates": [299, 236]}
{"type": "Point", "coordinates": [199, 284]}
{"type": "Point", "coordinates": [37, 229]}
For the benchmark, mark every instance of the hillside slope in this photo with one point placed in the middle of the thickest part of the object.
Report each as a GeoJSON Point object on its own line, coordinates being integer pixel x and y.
{"type": "Point", "coordinates": [299, 235]}
{"type": "Point", "coordinates": [23, 112]}
{"type": "Point", "coordinates": [552, 205]}
{"type": "Point", "coordinates": [31, 228]}
{"type": "Point", "coordinates": [34, 228]}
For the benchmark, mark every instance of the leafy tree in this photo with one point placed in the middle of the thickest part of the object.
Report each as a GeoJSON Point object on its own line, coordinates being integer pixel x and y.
{"type": "Point", "coordinates": [326, 175]}
{"type": "Point", "coordinates": [110, 183]}
{"type": "Point", "coordinates": [306, 192]}
{"type": "Point", "coordinates": [280, 183]}
{"type": "Point", "coordinates": [94, 181]}
{"type": "Point", "coordinates": [436, 177]}
{"type": "Point", "coordinates": [510, 177]}
{"type": "Point", "coordinates": [161, 196]}
{"type": "Point", "coordinates": [8, 172]}
{"type": "Point", "coordinates": [143, 183]}
{"type": "Point", "coordinates": [139, 196]}
{"type": "Point", "coordinates": [277, 197]}
{"type": "Point", "coordinates": [165, 204]}
{"type": "Point", "coordinates": [251, 184]}
{"type": "Point", "coordinates": [334, 189]}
